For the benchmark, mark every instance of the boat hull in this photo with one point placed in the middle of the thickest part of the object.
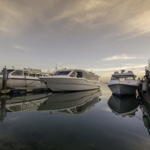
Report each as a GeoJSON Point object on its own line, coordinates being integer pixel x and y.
{"type": "Point", "coordinates": [23, 82]}
{"type": "Point", "coordinates": [70, 84]}
{"type": "Point", "coordinates": [122, 89]}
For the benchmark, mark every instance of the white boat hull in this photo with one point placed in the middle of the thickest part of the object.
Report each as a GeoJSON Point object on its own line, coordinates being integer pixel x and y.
{"type": "Point", "coordinates": [123, 89]}
{"type": "Point", "coordinates": [23, 82]}
{"type": "Point", "coordinates": [58, 84]}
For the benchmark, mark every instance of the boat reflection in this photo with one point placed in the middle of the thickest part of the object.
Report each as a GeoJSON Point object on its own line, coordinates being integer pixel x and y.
{"type": "Point", "coordinates": [73, 103]}
{"type": "Point", "coordinates": [28, 102]}
{"type": "Point", "coordinates": [145, 108]}
{"type": "Point", "coordinates": [124, 105]}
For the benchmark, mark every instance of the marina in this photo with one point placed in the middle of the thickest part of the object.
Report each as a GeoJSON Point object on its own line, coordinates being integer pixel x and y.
{"type": "Point", "coordinates": [70, 92]}
{"type": "Point", "coordinates": [74, 75]}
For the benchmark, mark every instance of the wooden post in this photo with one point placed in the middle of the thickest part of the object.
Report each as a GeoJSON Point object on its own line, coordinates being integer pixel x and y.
{"type": "Point", "coordinates": [4, 82]}
{"type": "Point", "coordinates": [2, 110]}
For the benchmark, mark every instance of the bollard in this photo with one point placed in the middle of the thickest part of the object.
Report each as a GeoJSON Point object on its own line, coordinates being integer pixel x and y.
{"type": "Point", "coordinates": [4, 82]}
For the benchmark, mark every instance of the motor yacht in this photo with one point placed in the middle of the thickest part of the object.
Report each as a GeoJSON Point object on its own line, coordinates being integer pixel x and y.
{"type": "Point", "coordinates": [123, 83]}
{"type": "Point", "coordinates": [23, 78]}
{"type": "Point", "coordinates": [72, 80]}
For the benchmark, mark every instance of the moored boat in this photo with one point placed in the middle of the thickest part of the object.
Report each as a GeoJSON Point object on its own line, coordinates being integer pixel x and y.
{"type": "Point", "coordinates": [123, 83]}
{"type": "Point", "coordinates": [23, 78]}
{"type": "Point", "coordinates": [72, 80]}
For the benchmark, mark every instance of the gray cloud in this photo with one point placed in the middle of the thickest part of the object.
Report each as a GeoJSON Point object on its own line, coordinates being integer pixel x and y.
{"type": "Point", "coordinates": [74, 33]}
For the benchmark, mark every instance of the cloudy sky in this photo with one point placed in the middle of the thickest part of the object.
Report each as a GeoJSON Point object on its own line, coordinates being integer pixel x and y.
{"type": "Point", "coordinates": [98, 35]}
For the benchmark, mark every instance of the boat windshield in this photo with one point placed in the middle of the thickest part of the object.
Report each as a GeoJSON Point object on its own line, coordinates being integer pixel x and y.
{"type": "Point", "coordinates": [121, 78]}
{"type": "Point", "coordinates": [61, 73]}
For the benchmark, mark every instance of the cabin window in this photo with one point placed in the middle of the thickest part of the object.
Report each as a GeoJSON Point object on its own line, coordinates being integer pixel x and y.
{"type": "Point", "coordinates": [18, 73]}
{"type": "Point", "coordinates": [32, 75]}
{"type": "Point", "coordinates": [121, 79]}
{"type": "Point", "coordinates": [130, 78]}
{"type": "Point", "coordinates": [90, 76]}
{"type": "Point", "coordinates": [114, 78]}
{"type": "Point", "coordinates": [79, 74]}
{"type": "Point", "coordinates": [61, 73]}
{"type": "Point", "coordinates": [25, 73]}
{"type": "Point", "coordinates": [37, 75]}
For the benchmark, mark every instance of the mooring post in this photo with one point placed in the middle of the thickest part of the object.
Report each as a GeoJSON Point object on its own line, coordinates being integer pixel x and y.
{"type": "Point", "coordinates": [4, 82]}
{"type": "Point", "coordinates": [2, 110]}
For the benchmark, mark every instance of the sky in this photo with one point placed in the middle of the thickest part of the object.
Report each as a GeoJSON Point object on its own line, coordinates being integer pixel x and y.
{"type": "Point", "coordinates": [102, 36]}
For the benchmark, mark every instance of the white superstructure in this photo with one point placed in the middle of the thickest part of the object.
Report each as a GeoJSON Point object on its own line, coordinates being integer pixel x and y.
{"type": "Point", "coordinates": [19, 78]}
{"type": "Point", "coordinates": [123, 83]}
{"type": "Point", "coordinates": [72, 80]}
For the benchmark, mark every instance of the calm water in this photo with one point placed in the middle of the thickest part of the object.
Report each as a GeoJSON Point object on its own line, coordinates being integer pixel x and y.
{"type": "Point", "coordinates": [74, 121]}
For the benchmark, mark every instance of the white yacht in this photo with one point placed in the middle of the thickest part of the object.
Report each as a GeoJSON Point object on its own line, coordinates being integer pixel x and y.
{"type": "Point", "coordinates": [123, 83]}
{"type": "Point", "coordinates": [72, 80]}
{"type": "Point", "coordinates": [23, 78]}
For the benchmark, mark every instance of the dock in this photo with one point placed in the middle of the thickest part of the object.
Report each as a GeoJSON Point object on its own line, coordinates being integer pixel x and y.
{"type": "Point", "coordinates": [20, 91]}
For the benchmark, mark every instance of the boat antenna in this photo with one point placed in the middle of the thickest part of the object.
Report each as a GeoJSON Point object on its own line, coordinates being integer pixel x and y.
{"type": "Point", "coordinates": [148, 64]}
{"type": "Point", "coordinates": [56, 68]}
{"type": "Point", "coordinates": [120, 67]}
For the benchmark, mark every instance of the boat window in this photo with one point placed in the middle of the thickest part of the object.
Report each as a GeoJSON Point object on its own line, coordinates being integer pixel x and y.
{"type": "Point", "coordinates": [37, 75]}
{"type": "Point", "coordinates": [18, 73]}
{"type": "Point", "coordinates": [121, 79]}
{"type": "Point", "coordinates": [114, 78]}
{"type": "Point", "coordinates": [25, 73]}
{"type": "Point", "coordinates": [130, 78]}
{"type": "Point", "coordinates": [79, 74]}
{"type": "Point", "coordinates": [90, 76]}
{"type": "Point", "coordinates": [32, 75]}
{"type": "Point", "coordinates": [61, 73]}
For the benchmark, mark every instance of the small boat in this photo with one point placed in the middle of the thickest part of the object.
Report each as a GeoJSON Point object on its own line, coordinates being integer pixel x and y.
{"type": "Point", "coordinates": [72, 80]}
{"type": "Point", "coordinates": [123, 83]}
{"type": "Point", "coordinates": [23, 78]}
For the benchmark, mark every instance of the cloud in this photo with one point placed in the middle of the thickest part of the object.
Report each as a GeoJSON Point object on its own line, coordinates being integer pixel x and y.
{"type": "Point", "coordinates": [135, 67]}
{"type": "Point", "coordinates": [21, 48]}
{"type": "Point", "coordinates": [120, 57]}
{"type": "Point", "coordinates": [120, 17]}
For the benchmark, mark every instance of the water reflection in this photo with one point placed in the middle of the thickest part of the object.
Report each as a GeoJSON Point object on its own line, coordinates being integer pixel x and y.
{"type": "Point", "coordinates": [145, 108]}
{"type": "Point", "coordinates": [124, 105]}
{"type": "Point", "coordinates": [29, 102]}
{"type": "Point", "coordinates": [72, 103]}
